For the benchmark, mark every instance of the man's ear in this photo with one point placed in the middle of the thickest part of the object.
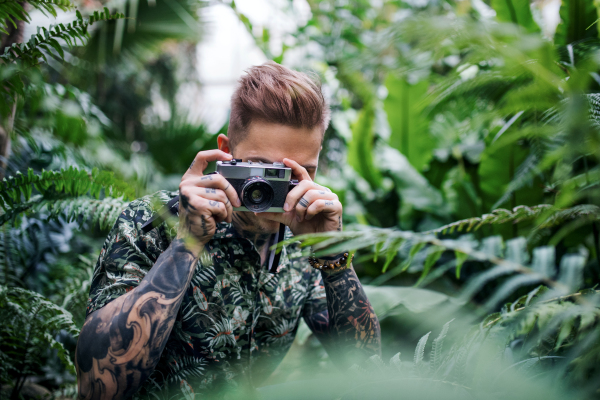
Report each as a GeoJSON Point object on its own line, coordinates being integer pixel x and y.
{"type": "Point", "coordinates": [223, 142]}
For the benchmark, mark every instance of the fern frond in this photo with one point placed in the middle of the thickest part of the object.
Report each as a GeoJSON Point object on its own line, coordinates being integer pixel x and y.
{"type": "Point", "coordinates": [523, 213]}
{"type": "Point", "coordinates": [12, 11]}
{"type": "Point", "coordinates": [420, 349]}
{"type": "Point", "coordinates": [17, 189]}
{"type": "Point", "coordinates": [31, 52]}
{"type": "Point", "coordinates": [436, 349]}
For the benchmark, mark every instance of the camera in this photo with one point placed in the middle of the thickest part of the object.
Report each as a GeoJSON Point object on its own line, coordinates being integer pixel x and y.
{"type": "Point", "coordinates": [261, 187]}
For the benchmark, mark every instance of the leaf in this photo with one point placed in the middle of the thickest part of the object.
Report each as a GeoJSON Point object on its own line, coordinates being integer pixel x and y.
{"type": "Point", "coordinates": [360, 148]}
{"type": "Point", "coordinates": [571, 272]}
{"type": "Point", "coordinates": [460, 259]}
{"type": "Point", "coordinates": [436, 350]}
{"type": "Point", "coordinates": [433, 255]}
{"type": "Point", "coordinates": [577, 22]}
{"type": "Point", "coordinates": [515, 11]}
{"type": "Point", "coordinates": [420, 349]}
{"type": "Point", "coordinates": [405, 105]}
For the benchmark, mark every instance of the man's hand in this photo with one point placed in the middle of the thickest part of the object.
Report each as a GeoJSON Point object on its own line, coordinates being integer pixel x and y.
{"type": "Point", "coordinates": [204, 200]}
{"type": "Point", "coordinates": [309, 207]}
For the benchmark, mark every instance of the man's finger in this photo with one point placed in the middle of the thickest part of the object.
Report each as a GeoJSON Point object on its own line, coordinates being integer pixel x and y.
{"type": "Point", "coordinates": [297, 169]}
{"type": "Point", "coordinates": [323, 206]}
{"type": "Point", "coordinates": [309, 198]}
{"type": "Point", "coordinates": [214, 194]}
{"type": "Point", "coordinates": [215, 181]}
{"type": "Point", "coordinates": [202, 159]}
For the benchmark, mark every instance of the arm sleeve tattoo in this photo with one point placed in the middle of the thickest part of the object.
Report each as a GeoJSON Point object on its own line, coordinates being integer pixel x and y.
{"type": "Point", "coordinates": [349, 328]}
{"type": "Point", "coordinates": [121, 343]}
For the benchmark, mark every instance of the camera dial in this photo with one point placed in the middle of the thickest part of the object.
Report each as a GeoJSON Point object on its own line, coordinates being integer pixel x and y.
{"type": "Point", "coordinates": [257, 194]}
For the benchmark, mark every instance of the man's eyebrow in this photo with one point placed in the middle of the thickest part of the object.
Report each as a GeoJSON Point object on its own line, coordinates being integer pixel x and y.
{"type": "Point", "coordinates": [266, 161]}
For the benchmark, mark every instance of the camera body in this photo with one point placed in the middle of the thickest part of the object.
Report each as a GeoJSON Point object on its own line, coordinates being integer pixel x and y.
{"type": "Point", "coordinates": [261, 187]}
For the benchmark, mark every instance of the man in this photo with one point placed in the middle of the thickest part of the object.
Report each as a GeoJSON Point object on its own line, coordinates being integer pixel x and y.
{"type": "Point", "coordinates": [193, 309]}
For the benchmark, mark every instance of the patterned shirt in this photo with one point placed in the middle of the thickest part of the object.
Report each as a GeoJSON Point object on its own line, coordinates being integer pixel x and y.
{"type": "Point", "coordinates": [236, 322]}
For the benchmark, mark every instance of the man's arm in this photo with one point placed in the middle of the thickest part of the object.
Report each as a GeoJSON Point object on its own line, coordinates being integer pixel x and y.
{"type": "Point", "coordinates": [349, 328]}
{"type": "Point", "coordinates": [121, 343]}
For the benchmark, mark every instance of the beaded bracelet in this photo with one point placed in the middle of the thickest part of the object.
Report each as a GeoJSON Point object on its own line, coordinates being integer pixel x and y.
{"type": "Point", "coordinates": [342, 261]}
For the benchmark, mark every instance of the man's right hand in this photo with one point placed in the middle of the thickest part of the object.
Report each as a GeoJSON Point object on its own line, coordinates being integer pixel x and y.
{"type": "Point", "coordinates": [204, 200]}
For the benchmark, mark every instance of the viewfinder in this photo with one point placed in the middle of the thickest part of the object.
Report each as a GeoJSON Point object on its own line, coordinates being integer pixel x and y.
{"type": "Point", "coordinates": [271, 172]}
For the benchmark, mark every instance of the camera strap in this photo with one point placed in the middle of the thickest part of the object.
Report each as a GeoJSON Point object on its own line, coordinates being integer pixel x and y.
{"type": "Point", "coordinates": [275, 256]}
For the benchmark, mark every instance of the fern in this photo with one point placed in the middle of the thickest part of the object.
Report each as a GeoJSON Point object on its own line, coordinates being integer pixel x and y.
{"type": "Point", "coordinates": [551, 217]}
{"type": "Point", "coordinates": [436, 349]}
{"type": "Point", "coordinates": [74, 182]}
{"type": "Point", "coordinates": [420, 350]}
{"type": "Point", "coordinates": [30, 53]}
{"type": "Point", "coordinates": [12, 11]}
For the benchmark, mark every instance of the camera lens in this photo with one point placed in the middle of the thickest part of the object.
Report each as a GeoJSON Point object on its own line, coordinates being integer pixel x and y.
{"type": "Point", "coordinates": [257, 194]}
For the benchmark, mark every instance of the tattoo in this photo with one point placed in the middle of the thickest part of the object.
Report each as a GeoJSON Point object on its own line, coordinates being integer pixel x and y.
{"type": "Point", "coordinates": [120, 344]}
{"type": "Point", "coordinates": [328, 203]}
{"type": "Point", "coordinates": [185, 202]}
{"type": "Point", "coordinates": [192, 164]}
{"type": "Point", "coordinates": [204, 230]}
{"type": "Point", "coordinates": [207, 177]}
{"type": "Point", "coordinates": [339, 224]}
{"type": "Point", "coordinates": [303, 202]}
{"type": "Point", "coordinates": [213, 203]}
{"type": "Point", "coordinates": [209, 190]}
{"type": "Point", "coordinates": [321, 192]}
{"type": "Point", "coordinates": [353, 332]}
{"type": "Point", "coordinates": [228, 184]}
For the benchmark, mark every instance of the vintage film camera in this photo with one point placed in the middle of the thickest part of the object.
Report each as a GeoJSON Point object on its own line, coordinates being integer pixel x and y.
{"type": "Point", "coordinates": [261, 187]}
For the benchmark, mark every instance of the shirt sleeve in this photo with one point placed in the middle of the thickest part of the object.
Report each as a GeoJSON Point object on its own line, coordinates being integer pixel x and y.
{"type": "Point", "coordinates": [128, 253]}
{"type": "Point", "coordinates": [316, 301]}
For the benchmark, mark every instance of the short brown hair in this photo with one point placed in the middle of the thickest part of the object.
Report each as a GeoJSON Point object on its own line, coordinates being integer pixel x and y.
{"type": "Point", "coordinates": [273, 93]}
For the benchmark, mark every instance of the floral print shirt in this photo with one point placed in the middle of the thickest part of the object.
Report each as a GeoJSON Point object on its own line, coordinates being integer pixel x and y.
{"type": "Point", "coordinates": [236, 321]}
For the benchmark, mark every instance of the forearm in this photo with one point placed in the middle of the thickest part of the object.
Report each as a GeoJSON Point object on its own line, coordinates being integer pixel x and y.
{"type": "Point", "coordinates": [120, 344]}
{"type": "Point", "coordinates": [353, 331]}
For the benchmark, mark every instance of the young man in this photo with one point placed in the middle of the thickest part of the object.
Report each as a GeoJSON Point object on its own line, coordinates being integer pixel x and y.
{"type": "Point", "coordinates": [193, 309]}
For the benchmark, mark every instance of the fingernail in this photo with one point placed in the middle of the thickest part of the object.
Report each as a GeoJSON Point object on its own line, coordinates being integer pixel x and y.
{"type": "Point", "coordinates": [286, 207]}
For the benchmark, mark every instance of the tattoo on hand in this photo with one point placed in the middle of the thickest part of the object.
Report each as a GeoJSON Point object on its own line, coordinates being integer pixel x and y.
{"type": "Point", "coordinates": [213, 203]}
{"type": "Point", "coordinates": [328, 203]}
{"type": "Point", "coordinates": [209, 190]}
{"type": "Point", "coordinates": [339, 224]}
{"type": "Point", "coordinates": [206, 178]}
{"type": "Point", "coordinates": [303, 202]}
{"type": "Point", "coordinates": [185, 202]}
{"type": "Point", "coordinates": [204, 229]}
{"type": "Point", "coordinates": [192, 164]}
{"type": "Point", "coordinates": [321, 192]}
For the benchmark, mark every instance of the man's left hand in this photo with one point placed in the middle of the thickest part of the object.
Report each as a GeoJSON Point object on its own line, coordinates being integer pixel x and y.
{"type": "Point", "coordinates": [309, 207]}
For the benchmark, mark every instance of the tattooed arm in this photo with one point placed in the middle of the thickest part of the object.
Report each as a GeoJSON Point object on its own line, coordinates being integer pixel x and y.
{"type": "Point", "coordinates": [349, 328]}
{"type": "Point", "coordinates": [121, 343]}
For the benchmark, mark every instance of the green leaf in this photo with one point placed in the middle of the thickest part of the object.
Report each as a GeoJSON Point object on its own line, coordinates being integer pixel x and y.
{"type": "Point", "coordinates": [434, 254]}
{"type": "Point", "coordinates": [515, 11]}
{"type": "Point", "coordinates": [405, 105]}
{"type": "Point", "coordinates": [578, 19]}
{"type": "Point", "coordinates": [360, 148]}
{"type": "Point", "coordinates": [460, 259]}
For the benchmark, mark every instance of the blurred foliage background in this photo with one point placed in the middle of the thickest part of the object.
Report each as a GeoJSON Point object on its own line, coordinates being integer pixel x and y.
{"type": "Point", "coordinates": [464, 145]}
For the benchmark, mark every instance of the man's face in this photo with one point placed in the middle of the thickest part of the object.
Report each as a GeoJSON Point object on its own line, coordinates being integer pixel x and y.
{"type": "Point", "coordinates": [269, 142]}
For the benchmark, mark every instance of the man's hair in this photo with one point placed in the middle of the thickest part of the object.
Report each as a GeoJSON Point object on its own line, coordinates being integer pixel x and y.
{"type": "Point", "coordinates": [273, 93]}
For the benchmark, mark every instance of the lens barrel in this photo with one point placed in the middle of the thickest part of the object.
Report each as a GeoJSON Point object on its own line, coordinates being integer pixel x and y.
{"type": "Point", "coordinates": [257, 194]}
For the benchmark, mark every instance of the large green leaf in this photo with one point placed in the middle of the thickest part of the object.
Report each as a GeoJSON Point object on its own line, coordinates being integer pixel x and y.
{"type": "Point", "coordinates": [404, 106]}
{"type": "Point", "coordinates": [497, 170]}
{"type": "Point", "coordinates": [515, 11]}
{"type": "Point", "coordinates": [577, 21]}
{"type": "Point", "coordinates": [360, 148]}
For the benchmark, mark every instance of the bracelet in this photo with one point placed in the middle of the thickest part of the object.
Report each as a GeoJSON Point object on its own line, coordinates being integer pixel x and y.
{"type": "Point", "coordinates": [335, 264]}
